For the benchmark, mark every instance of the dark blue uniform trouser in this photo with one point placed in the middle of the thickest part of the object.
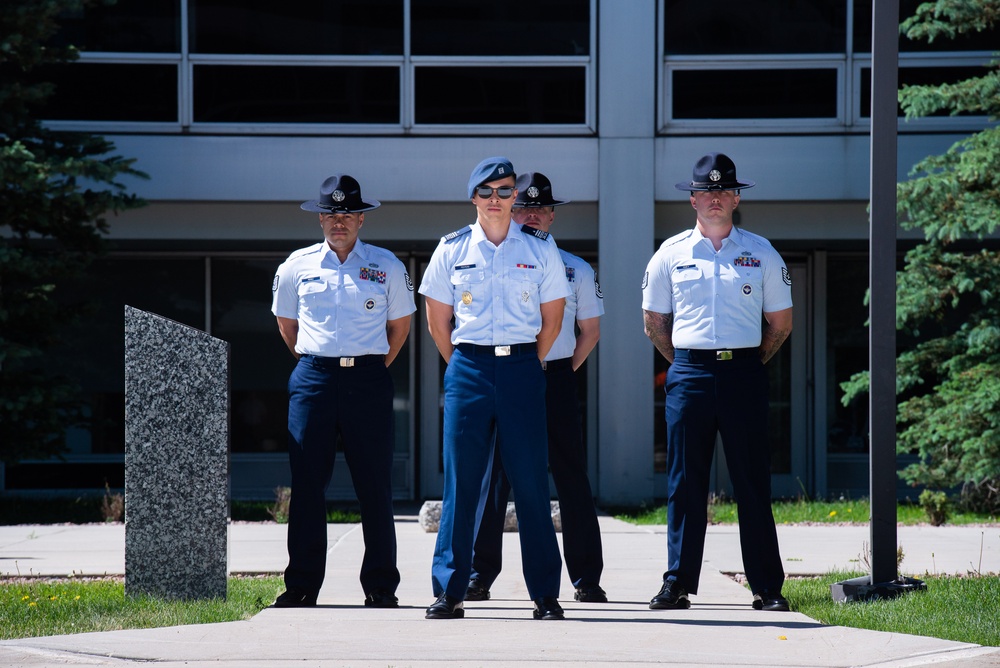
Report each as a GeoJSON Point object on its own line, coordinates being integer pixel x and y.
{"type": "Point", "coordinates": [729, 398]}
{"type": "Point", "coordinates": [568, 463]}
{"type": "Point", "coordinates": [484, 394]}
{"type": "Point", "coordinates": [355, 402]}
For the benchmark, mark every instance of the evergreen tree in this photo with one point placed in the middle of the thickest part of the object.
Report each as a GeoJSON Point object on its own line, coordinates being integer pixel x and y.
{"type": "Point", "coordinates": [948, 293]}
{"type": "Point", "coordinates": [54, 189]}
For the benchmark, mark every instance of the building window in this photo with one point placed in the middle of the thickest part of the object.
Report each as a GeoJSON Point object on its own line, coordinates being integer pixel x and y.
{"type": "Point", "coordinates": [297, 27]}
{"type": "Point", "coordinates": [295, 94]}
{"type": "Point", "coordinates": [128, 26]}
{"type": "Point", "coordinates": [331, 67]}
{"type": "Point", "coordinates": [135, 92]}
{"type": "Point", "coordinates": [739, 28]}
{"type": "Point", "coordinates": [918, 76]}
{"type": "Point", "coordinates": [518, 28]}
{"type": "Point", "coordinates": [800, 66]}
{"type": "Point", "coordinates": [791, 93]}
{"type": "Point", "coordinates": [862, 30]}
{"type": "Point", "coordinates": [563, 89]}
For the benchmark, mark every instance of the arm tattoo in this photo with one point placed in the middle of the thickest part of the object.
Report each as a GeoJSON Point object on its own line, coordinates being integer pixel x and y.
{"type": "Point", "coordinates": [659, 328]}
{"type": "Point", "coordinates": [771, 341]}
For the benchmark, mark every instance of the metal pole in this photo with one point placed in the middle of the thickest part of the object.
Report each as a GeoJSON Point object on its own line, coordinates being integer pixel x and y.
{"type": "Point", "coordinates": [882, 304]}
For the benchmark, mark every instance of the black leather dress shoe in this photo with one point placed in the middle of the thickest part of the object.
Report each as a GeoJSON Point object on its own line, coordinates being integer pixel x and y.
{"type": "Point", "coordinates": [590, 594]}
{"type": "Point", "coordinates": [477, 591]}
{"type": "Point", "coordinates": [296, 598]}
{"type": "Point", "coordinates": [547, 608]}
{"type": "Point", "coordinates": [445, 607]}
{"type": "Point", "coordinates": [770, 602]}
{"type": "Point", "coordinates": [380, 598]}
{"type": "Point", "coordinates": [672, 596]}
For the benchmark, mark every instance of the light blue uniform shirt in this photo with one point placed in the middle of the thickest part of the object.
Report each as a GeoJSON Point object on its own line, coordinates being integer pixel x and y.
{"type": "Point", "coordinates": [717, 298]}
{"type": "Point", "coordinates": [342, 309]}
{"type": "Point", "coordinates": [585, 301]}
{"type": "Point", "coordinates": [496, 291]}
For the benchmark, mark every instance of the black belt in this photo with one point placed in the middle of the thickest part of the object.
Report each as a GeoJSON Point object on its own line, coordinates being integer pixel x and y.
{"type": "Point", "coordinates": [346, 362]}
{"type": "Point", "coordinates": [716, 355]}
{"type": "Point", "coordinates": [558, 365]}
{"type": "Point", "coordinates": [498, 351]}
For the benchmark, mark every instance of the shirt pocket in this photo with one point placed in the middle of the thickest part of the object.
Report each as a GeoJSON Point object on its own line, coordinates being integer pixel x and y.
{"type": "Point", "coordinates": [688, 282]}
{"type": "Point", "coordinates": [527, 283]}
{"type": "Point", "coordinates": [316, 297]}
{"type": "Point", "coordinates": [371, 300]}
{"type": "Point", "coordinates": [469, 286]}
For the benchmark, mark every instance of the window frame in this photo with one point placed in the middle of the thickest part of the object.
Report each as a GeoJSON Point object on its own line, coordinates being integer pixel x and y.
{"type": "Point", "coordinates": [407, 64]}
{"type": "Point", "coordinates": [849, 67]}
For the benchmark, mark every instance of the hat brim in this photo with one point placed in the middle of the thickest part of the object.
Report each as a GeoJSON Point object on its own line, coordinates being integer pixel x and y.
{"type": "Point", "coordinates": [314, 205]}
{"type": "Point", "coordinates": [539, 205]}
{"type": "Point", "coordinates": [734, 185]}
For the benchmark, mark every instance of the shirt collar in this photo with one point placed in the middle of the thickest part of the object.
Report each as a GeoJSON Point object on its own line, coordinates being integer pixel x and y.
{"type": "Point", "coordinates": [735, 236]}
{"type": "Point", "coordinates": [478, 234]}
{"type": "Point", "coordinates": [360, 250]}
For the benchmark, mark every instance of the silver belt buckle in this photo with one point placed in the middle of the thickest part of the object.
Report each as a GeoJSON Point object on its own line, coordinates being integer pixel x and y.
{"type": "Point", "coordinates": [501, 351]}
{"type": "Point", "coordinates": [544, 366]}
{"type": "Point", "coordinates": [723, 355]}
{"type": "Point", "coordinates": [347, 361]}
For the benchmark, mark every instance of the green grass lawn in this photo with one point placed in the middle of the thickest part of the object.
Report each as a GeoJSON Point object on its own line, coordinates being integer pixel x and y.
{"type": "Point", "coordinates": [963, 609]}
{"type": "Point", "coordinates": [804, 512]}
{"type": "Point", "coordinates": [59, 607]}
{"type": "Point", "coordinates": [960, 609]}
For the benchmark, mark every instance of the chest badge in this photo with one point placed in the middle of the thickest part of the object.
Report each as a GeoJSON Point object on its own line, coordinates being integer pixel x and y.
{"type": "Point", "coordinates": [747, 288]}
{"type": "Point", "coordinates": [369, 304]}
{"type": "Point", "coordinates": [525, 296]}
{"type": "Point", "coordinates": [466, 297]}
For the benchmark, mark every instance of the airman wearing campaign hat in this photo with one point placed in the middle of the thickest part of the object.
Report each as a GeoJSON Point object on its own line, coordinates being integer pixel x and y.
{"type": "Point", "coordinates": [715, 171]}
{"type": "Point", "coordinates": [490, 169]}
{"type": "Point", "coordinates": [340, 193]}
{"type": "Point", "coordinates": [535, 190]}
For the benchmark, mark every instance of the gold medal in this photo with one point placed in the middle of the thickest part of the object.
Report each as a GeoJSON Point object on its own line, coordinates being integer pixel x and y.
{"type": "Point", "coordinates": [466, 297]}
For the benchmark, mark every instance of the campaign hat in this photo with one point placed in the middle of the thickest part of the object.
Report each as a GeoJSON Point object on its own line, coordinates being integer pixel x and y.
{"type": "Point", "coordinates": [715, 171]}
{"type": "Point", "coordinates": [490, 169]}
{"type": "Point", "coordinates": [340, 193]}
{"type": "Point", "coordinates": [534, 190]}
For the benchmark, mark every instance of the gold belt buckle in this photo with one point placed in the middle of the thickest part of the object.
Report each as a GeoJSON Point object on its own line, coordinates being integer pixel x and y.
{"type": "Point", "coordinates": [347, 361]}
{"type": "Point", "coordinates": [501, 351]}
{"type": "Point", "coordinates": [723, 355]}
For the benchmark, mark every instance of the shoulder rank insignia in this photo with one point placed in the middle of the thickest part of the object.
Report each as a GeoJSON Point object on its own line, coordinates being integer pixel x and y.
{"type": "Point", "coordinates": [535, 232]}
{"type": "Point", "coordinates": [457, 233]}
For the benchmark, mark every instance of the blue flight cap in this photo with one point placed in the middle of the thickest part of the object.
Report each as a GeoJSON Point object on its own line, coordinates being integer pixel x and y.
{"type": "Point", "coordinates": [490, 169]}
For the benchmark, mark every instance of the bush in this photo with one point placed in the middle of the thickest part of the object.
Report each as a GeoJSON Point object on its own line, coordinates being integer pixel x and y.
{"type": "Point", "coordinates": [935, 504]}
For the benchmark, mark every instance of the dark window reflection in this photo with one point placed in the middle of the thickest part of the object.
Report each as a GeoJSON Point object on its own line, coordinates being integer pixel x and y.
{"type": "Point", "coordinates": [137, 26]}
{"type": "Point", "coordinates": [260, 363]}
{"type": "Point", "coordinates": [343, 27]}
{"type": "Point", "coordinates": [276, 94]}
{"type": "Point", "coordinates": [693, 27]}
{"type": "Point", "coordinates": [501, 95]}
{"type": "Point", "coordinates": [111, 92]}
{"type": "Point", "coordinates": [846, 352]}
{"type": "Point", "coordinates": [919, 76]}
{"type": "Point", "coordinates": [93, 352]}
{"type": "Point", "coordinates": [795, 93]}
{"type": "Point", "coordinates": [984, 41]}
{"type": "Point", "coordinates": [517, 28]}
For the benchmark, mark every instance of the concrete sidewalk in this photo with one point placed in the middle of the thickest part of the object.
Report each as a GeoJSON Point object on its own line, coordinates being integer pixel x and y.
{"type": "Point", "coordinates": [720, 628]}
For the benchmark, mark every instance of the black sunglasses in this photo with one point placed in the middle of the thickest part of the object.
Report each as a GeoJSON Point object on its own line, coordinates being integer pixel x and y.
{"type": "Point", "coordinates": [503, 192]}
